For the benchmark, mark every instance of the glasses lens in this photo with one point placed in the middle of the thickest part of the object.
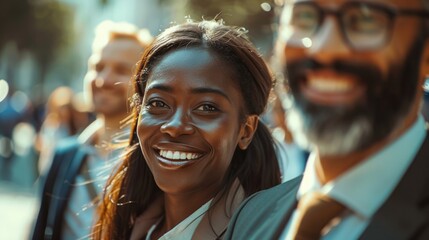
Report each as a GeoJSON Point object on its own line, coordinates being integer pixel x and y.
{"type": "Point", "coordinates": [366, 26]}
{"type": "Point", "coordinates": [303, 23]}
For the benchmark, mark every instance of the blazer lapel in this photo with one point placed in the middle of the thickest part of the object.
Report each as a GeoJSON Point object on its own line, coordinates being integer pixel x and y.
{"type": "Point", "coordinates": [284, 209]}
{"type": "Point", "coordinates": [152, 215]}
{"type": "Point", "coordinates": [400, 217]}
{"type": "Point", "coordinates": [395, 222]}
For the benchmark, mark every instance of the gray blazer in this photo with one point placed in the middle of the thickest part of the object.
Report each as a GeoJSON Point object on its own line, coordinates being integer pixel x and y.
{"type": "Point", "coordinates": [404, 215]}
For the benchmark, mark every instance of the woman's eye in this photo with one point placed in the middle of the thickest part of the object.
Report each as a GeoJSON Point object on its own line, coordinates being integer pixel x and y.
{"type": "Point", "coordinates": [156, 104]}
{"type": "Point", "coordinates": [155, 107]}
{"type": "Point", "coordinates": [207, 108]}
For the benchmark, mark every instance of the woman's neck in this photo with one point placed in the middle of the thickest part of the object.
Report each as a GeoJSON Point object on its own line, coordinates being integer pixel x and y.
{"type": "Point", "coordinates": [178, 207]}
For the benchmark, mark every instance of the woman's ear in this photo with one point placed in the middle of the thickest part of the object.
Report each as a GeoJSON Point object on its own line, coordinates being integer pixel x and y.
{"type": "Point", "coordinates": [424, 63]}
{"type": "Point", "coordinates": [247, 130]}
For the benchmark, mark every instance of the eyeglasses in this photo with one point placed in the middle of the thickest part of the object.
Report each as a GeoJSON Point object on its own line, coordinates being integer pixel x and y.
{"type": "Point", "coordinates": [364, 26]}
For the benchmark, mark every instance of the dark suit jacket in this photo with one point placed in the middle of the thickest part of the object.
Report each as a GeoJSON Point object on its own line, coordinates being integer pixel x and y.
{"type": "Point", "coordinates": [404, 215]}
{"type": "Point", "coordinates": [56, 188]}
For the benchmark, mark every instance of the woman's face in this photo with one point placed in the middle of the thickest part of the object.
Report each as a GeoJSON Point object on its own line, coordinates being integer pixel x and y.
{"type": "Point", "coordinates": [189, 124]}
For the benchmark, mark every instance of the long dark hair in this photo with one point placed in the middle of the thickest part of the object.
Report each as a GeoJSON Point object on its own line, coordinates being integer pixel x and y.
{"type": "Point", "coordinates": [132, 188]}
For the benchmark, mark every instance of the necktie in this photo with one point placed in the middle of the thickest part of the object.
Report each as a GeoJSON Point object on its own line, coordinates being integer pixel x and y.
{"type": "Point", "coordinates": [315, 212]}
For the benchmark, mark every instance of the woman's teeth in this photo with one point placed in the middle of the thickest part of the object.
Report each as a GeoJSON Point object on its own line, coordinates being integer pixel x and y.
{"type": "Point", "coordinates": [177, 155]}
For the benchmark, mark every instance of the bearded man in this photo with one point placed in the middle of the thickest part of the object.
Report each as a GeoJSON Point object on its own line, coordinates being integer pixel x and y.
{"type": "Point", "coordinates": [355, 85]}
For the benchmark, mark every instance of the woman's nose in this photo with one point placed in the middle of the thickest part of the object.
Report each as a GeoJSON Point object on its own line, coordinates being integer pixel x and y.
{"type": "Point", "coordinates": [178, 124]}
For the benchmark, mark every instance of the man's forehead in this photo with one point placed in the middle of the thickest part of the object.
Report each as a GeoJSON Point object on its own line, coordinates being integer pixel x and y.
{"type": "Point", "coordinates": [394, 3]}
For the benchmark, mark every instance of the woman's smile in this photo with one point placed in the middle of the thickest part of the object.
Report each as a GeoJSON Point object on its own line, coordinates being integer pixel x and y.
{"type": "Point", "coordinates": [174, 159]}
{"type": "Point", "coordinates": [178, 155]}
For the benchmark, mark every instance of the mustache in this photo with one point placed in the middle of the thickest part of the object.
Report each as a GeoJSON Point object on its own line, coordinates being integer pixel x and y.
{"type": "Point", "coordinates": [366, 73]}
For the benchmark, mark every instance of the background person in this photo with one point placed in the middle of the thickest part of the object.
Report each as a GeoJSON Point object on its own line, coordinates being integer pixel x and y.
{"type": "Point", "coordinates": [76, 175]}
{"type": "Point", "coordinates": [353, 68]}
{"type": "Point", "coordinates": [62, 119]}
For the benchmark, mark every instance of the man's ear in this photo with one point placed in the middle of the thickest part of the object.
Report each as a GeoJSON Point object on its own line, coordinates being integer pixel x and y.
{"type": "Point", "coordinates": [248, 128]}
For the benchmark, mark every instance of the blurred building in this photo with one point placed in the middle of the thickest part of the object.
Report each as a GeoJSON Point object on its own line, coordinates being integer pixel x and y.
{"type": "Point", "coordinates": [25, 83]}
{"type": "Point", "coordinates": [21, 70]}
{"type": "Point", "coordinates": [154, 15]}
{"type": "Point", "coordinates": [68, 66]}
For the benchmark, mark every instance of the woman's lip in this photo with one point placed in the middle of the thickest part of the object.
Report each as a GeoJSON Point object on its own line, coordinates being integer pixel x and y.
{"type": "Point", "coordinates": [330, 88]}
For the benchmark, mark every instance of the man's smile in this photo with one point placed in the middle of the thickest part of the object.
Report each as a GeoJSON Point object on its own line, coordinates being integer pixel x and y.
{"type": "Point", "coordinates": [330, 88]}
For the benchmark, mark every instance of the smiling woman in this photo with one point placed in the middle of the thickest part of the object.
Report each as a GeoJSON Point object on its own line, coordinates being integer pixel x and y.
{"type": "Point", "coordinates": [197, 148]}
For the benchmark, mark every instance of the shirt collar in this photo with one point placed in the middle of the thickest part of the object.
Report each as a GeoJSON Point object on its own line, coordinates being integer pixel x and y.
{"type": "Point", "coordinates": [366, 186]}
{"type": "Point", "coordinates": [188, 225]}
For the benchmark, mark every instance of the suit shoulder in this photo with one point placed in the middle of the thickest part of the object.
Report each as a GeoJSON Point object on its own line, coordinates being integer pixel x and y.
{"type": "Point", "coordinates": [265, 201]}
{"type": "Point", "coordinates": [260, 214]}
{"type": "Point", "coordinates": [274, 194]}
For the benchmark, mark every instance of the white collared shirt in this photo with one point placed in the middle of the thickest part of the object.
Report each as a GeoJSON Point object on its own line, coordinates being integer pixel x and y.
{"type": "Point", "coordinates": [80, 209]}
{"type": "Point", "coordinates": [186, 228]}
{"type": "Point", "coordinates": [365, 187]}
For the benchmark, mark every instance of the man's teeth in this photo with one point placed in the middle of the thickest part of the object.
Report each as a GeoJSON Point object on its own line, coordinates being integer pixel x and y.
{"type": "Point", "coordinates": [176, 155]}
{"type": "Point", "coordinates": [328, 85]}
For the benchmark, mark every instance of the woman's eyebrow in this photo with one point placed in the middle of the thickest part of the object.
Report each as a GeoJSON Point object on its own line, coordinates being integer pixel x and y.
{"type": "Point", "coordinates": [160, 87]}
{"type": "Point", "coordinates": [199, 90]}
{"type": "Point", "coordinates": [211, 90]}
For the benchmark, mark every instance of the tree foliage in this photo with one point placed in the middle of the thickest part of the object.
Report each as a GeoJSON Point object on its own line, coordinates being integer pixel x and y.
{"type": "Point", "coordinates": [243, 13]}
{"type": "Point", "coordinates": [40, 27]}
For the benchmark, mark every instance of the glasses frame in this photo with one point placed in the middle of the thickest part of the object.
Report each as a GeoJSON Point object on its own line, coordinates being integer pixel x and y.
{"type": "Point", "coordinates": [391, 12]}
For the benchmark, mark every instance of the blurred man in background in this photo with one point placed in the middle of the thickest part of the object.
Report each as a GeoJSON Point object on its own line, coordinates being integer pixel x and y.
{"type": "Point", "coordinates": [355, 75]}
{"type": "Point", "coordinates": [80, 165]}
{"type": "Point", "coordinates": [62, 119]}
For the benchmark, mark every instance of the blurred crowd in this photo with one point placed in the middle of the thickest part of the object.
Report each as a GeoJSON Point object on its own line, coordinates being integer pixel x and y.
{"type": "Point", "coordinates": [29, 130]}
{"type": "Point", "coordinates": [33, 134]}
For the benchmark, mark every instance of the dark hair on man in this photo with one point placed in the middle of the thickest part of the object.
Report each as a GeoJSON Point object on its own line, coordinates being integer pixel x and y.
{"type": "Point", "coordinates": [132, 188]}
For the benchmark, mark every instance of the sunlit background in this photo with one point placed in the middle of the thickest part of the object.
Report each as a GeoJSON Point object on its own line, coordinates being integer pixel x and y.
{"type": "Point", "coordinates": [45, 44]}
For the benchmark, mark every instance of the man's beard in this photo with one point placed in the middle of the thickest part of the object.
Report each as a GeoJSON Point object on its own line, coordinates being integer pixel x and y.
{"type": "Point", "coordinates": [339, 130]}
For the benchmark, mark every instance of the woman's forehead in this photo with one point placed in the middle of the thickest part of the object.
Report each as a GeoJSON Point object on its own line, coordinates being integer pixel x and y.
{"type": "Point", "coordinates": [197, 64]}
{"type": "Point", "coordinates": [192, 60]}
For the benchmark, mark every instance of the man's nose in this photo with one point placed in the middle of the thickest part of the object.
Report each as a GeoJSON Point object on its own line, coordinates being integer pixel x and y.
{"type": "Point", "coordinates": [329, 42]}
{"type": "Point", "coordinates": [106, 78]}
{"type": "Point", "coordinates": [178, 124]}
